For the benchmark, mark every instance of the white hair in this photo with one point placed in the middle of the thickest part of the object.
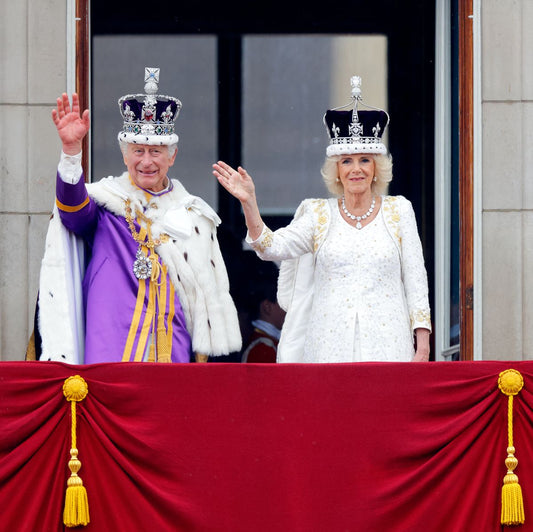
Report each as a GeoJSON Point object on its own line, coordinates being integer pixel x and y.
{"type": "Point", "coordinates": [383, 174]}
{"type": "Point", "coordinates": [124, 147]}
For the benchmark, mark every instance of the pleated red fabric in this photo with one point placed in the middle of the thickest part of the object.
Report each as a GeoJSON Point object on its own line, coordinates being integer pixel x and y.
{"type": "Point", "coordinates": [265, 448]}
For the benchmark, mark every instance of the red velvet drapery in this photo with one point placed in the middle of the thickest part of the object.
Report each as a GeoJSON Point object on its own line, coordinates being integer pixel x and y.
{"type": "Point", "coordinates": [253, 448]}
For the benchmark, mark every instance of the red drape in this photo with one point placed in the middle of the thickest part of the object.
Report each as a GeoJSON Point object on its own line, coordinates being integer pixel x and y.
{"type": "Point", "coordinates": [264, 448]}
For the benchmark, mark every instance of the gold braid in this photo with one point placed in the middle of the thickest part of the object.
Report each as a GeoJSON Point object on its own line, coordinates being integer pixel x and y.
{"type": "Point", "coordinates": [148, 242]}
{"type": "Point", "coordinates": [157, 270]}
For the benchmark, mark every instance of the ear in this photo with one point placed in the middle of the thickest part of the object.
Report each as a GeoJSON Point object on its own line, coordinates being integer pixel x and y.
{"type": "Point", "coordinates": [125, 154]}
{"type": "Point", "coordinates": [173, 158]}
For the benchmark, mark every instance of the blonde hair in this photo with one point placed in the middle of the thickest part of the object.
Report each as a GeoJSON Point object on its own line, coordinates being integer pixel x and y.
{"type": "Point", "coordinates": [383, 173]}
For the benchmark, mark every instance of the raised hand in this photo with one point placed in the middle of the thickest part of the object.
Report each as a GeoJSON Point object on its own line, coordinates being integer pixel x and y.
{"type": "Point", "coordinates": [237, 182]}
{"type": "Point", "coordinates": [70, 124]}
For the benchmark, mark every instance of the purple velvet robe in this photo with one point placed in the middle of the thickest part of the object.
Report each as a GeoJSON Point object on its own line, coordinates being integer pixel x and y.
{"type": "Point", "coordinates": [110, 287]}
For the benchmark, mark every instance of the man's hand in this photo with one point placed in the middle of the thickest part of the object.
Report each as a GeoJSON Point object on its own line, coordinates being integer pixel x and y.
{"type": "Point", "coordinates": [71, 126]}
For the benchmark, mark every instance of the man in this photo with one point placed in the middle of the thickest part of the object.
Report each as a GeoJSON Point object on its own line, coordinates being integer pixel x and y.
{"type": "Point", "coordinates": [155, 287]}
{"type": "Point", "coordinates": [268, 316]}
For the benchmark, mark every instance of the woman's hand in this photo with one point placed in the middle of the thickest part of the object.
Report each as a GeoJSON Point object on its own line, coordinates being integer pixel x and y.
{"type": "Point", "coordinates": [71, 126]}
{"type": "Point", "coordinates": [237, 182]}
{"type": "Point", "coordinates": [422, 345]}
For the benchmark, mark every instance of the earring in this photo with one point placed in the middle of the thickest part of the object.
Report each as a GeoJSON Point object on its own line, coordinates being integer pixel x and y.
{"type": "Point", "coordinates": [339, 179]}
{"type": "Point", "coordinates": [375, 179]}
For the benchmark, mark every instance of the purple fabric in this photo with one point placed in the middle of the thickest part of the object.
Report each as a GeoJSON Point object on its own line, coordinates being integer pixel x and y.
{"type": "Point", "coordinates": [109, 286]}
{"type": "Point", "coordinates": [136, 104]}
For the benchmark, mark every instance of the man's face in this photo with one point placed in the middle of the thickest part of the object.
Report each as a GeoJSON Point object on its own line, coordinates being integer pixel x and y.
{"type": "Point", "coordinates": [148, 165]}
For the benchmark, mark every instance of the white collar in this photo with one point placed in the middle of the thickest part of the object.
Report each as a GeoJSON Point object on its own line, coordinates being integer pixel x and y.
{"type": "Point", "coordinates": [268, 328]}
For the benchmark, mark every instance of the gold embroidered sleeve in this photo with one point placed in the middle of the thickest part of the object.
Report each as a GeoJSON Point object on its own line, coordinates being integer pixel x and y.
{"type": "Point", "coordinates": [420, 319]}
{"type": "Point", "coordinates": [320, 209]}
{"type": "Point", "coordinates": [291, 241]}
{"type": "Point", "coordinates": [265, 240]}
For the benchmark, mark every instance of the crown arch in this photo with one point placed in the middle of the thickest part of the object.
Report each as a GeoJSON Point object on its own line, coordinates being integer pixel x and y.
{"type": "Point", "coordinates": [231, 58]}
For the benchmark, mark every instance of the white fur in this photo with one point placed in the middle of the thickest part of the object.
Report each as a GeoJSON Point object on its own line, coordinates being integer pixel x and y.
{"type": "Point", "coordinates": [61, 319]}
{"type": "Point", "coordinates": [200, 279]}
{"type": "Point", "coordinates": [192, 256]}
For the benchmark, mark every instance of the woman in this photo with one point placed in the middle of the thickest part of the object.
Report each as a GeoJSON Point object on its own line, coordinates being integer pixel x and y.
{"type": "Point", "coordinates": [353, 279]}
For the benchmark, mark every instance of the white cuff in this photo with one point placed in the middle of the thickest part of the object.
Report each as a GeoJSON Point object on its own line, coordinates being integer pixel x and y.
{"type": "Point", "coordinates": [248, 239]}
{"type": "Point", "coordinates": [69, 168]}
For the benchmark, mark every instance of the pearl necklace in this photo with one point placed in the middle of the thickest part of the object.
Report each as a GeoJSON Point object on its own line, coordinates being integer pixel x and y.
{"type": "Point", "coordinates": [359, 225]}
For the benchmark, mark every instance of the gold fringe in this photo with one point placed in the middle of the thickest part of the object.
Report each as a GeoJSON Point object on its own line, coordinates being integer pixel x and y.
{"type": "Point", "coordinates": [31, 353]}
{"type": "Point", "coordinates": [510, 383]}
{"type": "Point", "coordinates": [76, 510]}
{"type": "Point", "coordinates": [164, 337]}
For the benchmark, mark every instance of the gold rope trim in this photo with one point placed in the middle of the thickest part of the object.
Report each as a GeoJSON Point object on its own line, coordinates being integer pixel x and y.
{"type": "Point", "coordinates": [170, 319]}
{"type": "Point", "coordinates": [161, 338]}
{"type": "Point", "coordinates": [136, 318]}
{"type": "Point", "coordinates": [510, 382]}
{"type": "Point", "coordinates": [147, 326]}
{"type": "Point", "coordinates": [76, 511]}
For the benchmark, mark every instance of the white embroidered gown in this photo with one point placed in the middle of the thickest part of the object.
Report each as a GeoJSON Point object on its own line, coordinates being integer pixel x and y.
{"type": "Point", "coordinates": [359, 311]}
{"type": "Point", "coordinates": [367, 300]}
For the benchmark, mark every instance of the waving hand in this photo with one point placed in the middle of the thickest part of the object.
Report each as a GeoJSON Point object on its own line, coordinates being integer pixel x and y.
{"type": "Point", "coordinates": [70, 124]}
{"type": "Point", "coordinates": [237, 182]}
{"type": "Point", "coordinates": [240, 185]}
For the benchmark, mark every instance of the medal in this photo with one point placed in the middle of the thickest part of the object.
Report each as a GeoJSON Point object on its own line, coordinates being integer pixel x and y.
{"type": "Point", "coordinates": [142, 267]}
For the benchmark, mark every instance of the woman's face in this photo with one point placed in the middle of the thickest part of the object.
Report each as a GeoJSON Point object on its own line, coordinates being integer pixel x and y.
{"type": "Point", "coordinates": [356, 172]}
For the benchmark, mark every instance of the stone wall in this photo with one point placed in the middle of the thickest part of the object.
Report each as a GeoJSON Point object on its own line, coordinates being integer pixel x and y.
{"type": "Point", "coordinates": [33, 66]}
{"type": "Point", "coordinates": [507, 202]}
{"type": "Point", "coordinates": [33, 63]}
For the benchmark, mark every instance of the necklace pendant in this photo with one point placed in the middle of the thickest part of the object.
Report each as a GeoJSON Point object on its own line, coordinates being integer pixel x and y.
{"type": "Point", "coordinates": [142, 267]}
{"type": "Point", "coordinates": [358, 225]}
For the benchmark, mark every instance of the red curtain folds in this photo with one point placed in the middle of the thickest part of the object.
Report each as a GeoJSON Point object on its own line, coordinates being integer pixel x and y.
{"type": "Point", "coordinates": [253, 448]}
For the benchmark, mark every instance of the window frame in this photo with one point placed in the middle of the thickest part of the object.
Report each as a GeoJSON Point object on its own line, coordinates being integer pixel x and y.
{"type": "Point", "coordinates": [78, 76]}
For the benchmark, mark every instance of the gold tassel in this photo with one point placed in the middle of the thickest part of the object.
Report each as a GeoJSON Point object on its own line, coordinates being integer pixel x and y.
{"type": "Point", "coordinates": [76, 511]}
{"type": "Point", "coordinates": [164, 339]}
{"type": "Point", "coordinates": [163, 348]}
{"type": "Point", "coordinates": [151, 352]}
{"type": "Point", "coordinates": [510, 382]}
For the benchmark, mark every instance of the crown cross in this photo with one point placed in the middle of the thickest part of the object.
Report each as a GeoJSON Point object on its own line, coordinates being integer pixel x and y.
{"type": "Point", "coordinates": [151, 80]}
{"type": "Point", "coordinates": [148, 109]}
{"type": "Point", "coordinates": [151, 74]}
{"type": "Point", "coordinates": [148, 113]}
{"type": "Point", "coordinates": [355, 129]}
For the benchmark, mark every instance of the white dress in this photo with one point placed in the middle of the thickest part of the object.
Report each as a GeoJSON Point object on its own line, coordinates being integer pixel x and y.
{"type": "Point", "coordinates": [369, 286]}
{"type": "Point", "coordinates": [359, 311]}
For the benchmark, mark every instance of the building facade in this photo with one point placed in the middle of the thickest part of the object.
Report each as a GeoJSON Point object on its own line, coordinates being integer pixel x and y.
{"type": "Point", "coordinates": [38, 57]}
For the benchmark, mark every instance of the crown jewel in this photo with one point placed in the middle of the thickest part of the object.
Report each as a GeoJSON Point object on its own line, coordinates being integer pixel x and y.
{"type": "Point", "coordinates": [355, 131]}
{"type": "Point", "coordinates": [149, 118]}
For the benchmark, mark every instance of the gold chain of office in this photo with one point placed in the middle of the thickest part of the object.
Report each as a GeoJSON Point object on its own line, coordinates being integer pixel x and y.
{"type": "Point", "coordinates": [148, 242]}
